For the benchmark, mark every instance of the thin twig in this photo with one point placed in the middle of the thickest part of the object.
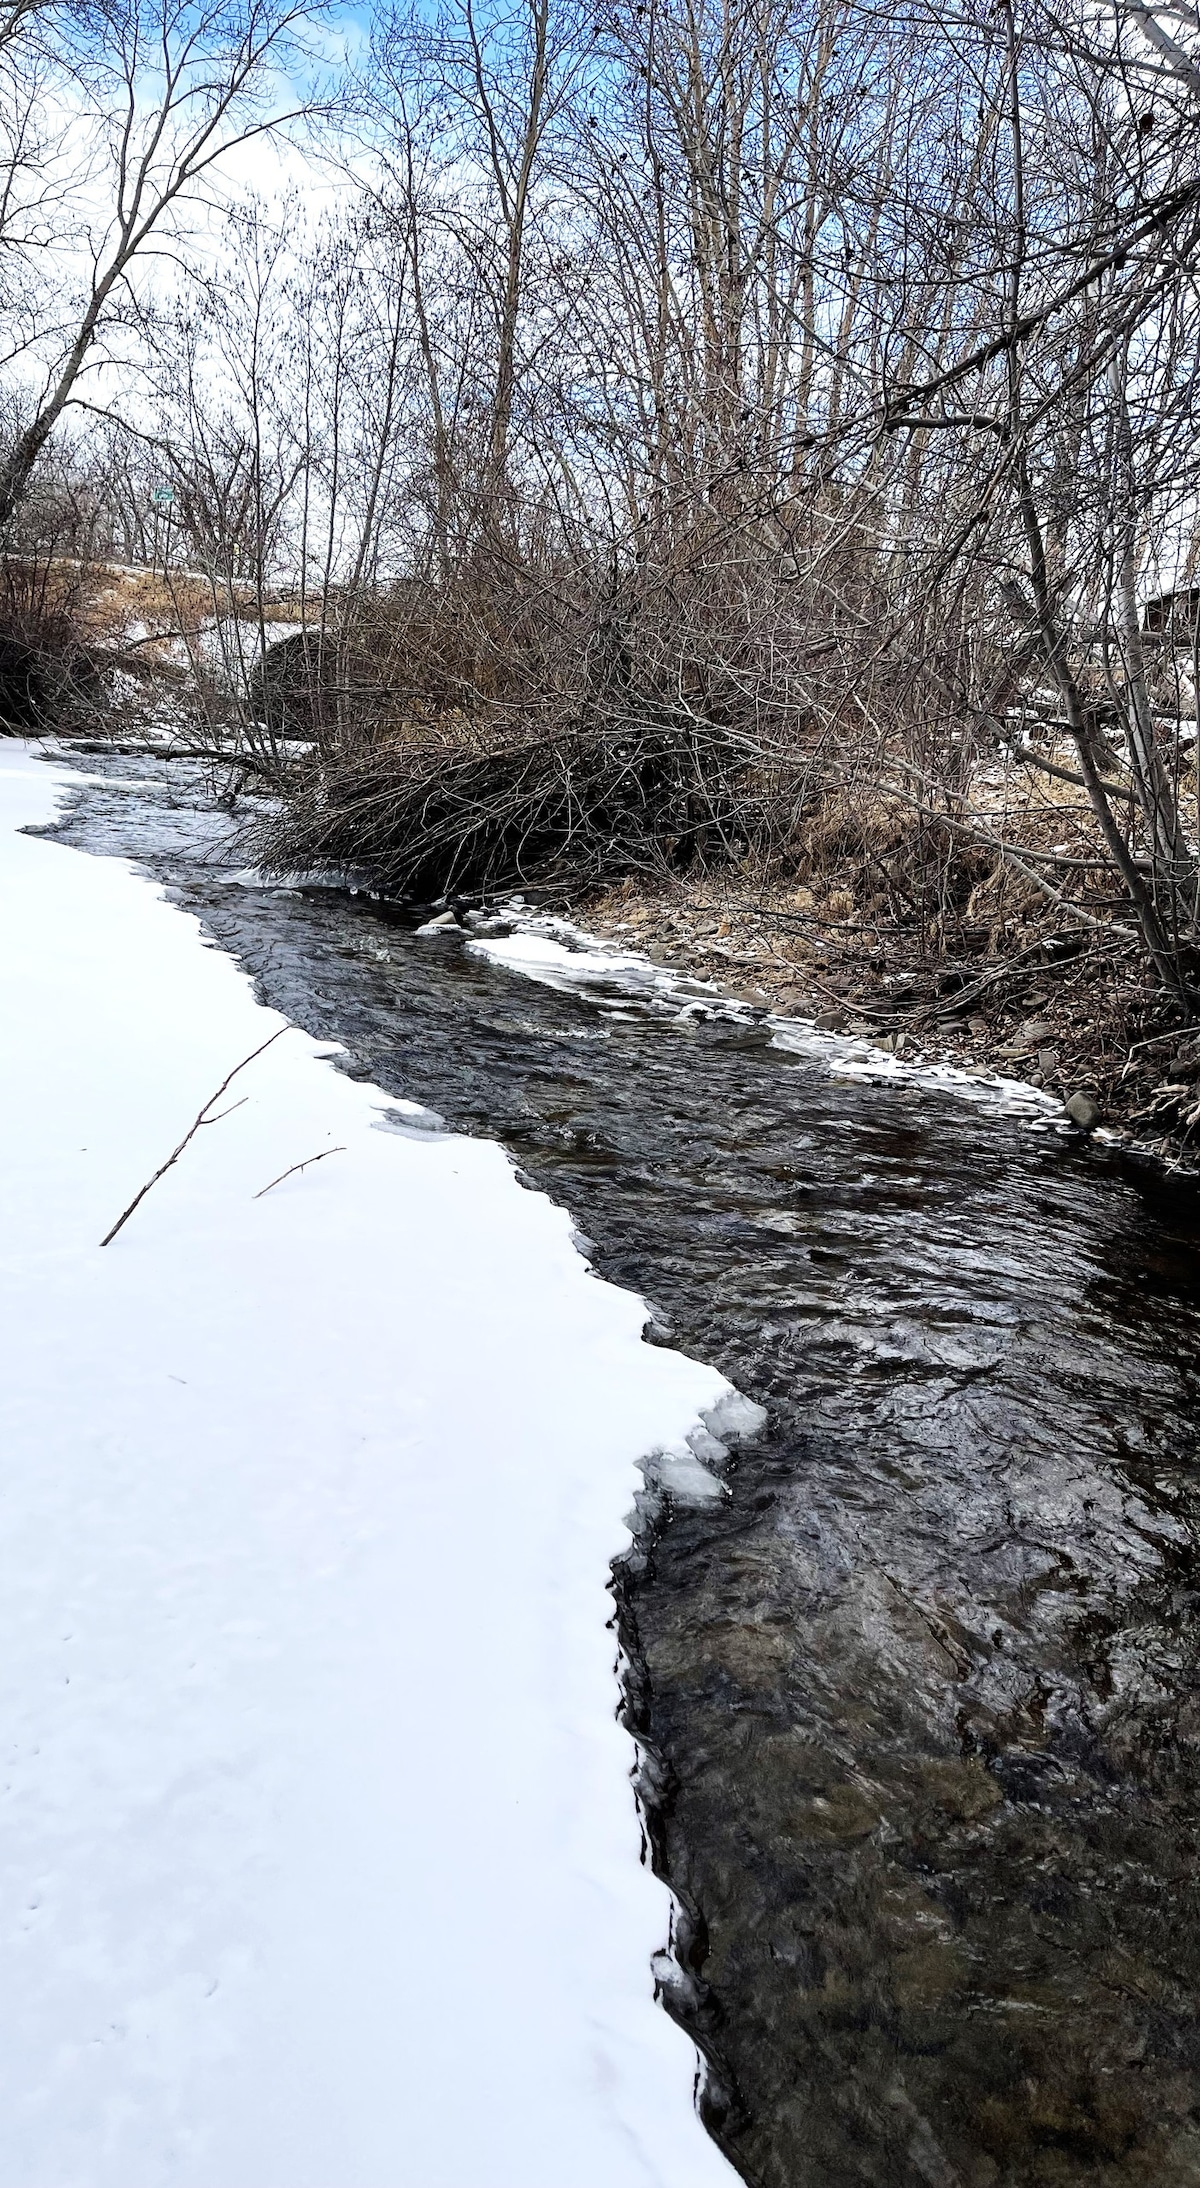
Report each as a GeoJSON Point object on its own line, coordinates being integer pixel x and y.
{"type": "Point", "coordinates": [202, 1119]}
{"type": "Point", "coordinates": [297, 1166]}
{"type": "Point", "coordinates": [1177, 1034]}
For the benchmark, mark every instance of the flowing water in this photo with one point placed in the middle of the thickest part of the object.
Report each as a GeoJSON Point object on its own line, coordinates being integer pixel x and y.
{"type": "Point", "coordinates": [919, 1695]}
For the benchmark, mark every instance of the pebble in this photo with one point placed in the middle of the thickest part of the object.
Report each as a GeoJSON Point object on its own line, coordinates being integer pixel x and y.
{"type": "Point", "coordinates": [1083, 1111]}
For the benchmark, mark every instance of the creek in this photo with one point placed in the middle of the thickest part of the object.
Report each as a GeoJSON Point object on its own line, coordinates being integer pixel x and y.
{"type": "Point", "coordinates": [918, 1694]}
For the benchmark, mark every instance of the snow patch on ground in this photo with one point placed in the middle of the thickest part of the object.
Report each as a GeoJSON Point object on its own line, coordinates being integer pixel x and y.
{"type": "Point", "coordinates": [233, 645]}
{"type": "Point", "coordinates": [545, 958]}
{"type": "Point", "coordinates": [319, 1863]}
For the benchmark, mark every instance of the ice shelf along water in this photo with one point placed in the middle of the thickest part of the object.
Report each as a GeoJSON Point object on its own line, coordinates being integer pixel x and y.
{"type": "Point", "coordinates": [319, 1856]}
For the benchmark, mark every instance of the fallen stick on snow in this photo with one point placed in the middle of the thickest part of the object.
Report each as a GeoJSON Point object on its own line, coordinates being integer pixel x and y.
{"type": "Point", "coordinates": [297, 1166]}
{"type": "Point", "coordinates": [202, 1119]}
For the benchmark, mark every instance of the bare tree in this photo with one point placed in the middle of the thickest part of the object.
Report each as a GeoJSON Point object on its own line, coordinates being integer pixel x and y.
{"type": "Point", "coordinates": [811, 376]}
{"type": "Point", "coordinates": [166, 92]}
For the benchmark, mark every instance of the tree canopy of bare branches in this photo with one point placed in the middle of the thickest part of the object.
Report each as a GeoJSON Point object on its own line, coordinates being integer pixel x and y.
{"type": "Point", "coordinates": [821, 377]}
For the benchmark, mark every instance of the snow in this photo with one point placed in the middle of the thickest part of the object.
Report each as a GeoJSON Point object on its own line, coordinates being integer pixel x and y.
{"type": "Point", "coordinates": [546, 959]}
{"type": "Point", "coordinates": [232, 644]}
{"type": "Point", "coordinates": [319, 1865]}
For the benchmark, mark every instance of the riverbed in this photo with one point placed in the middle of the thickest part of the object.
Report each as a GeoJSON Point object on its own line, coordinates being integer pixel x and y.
{"type": "Point", "coordinates": [915, 1685]}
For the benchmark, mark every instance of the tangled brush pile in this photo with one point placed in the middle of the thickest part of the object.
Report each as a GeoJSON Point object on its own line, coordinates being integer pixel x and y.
{"type": "Point", "coordinates": [437, 812]}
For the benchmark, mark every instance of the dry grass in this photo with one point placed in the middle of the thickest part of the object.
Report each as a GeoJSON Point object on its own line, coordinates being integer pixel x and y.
{"type": "Point", "coordinates": [115, 600]}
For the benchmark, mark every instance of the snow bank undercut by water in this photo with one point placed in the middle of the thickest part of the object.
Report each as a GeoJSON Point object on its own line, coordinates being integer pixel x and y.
{"type": "Point", "coordinates": [319, 1859]}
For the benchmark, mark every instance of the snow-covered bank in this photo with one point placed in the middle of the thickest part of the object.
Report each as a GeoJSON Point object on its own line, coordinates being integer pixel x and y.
{"type": "Point", "coordinates": [318, 1860]}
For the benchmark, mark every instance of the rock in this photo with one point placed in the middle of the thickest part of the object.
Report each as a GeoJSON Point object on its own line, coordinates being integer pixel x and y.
{"type": "Point", "coordinates": [1048, 1061]}
{"type": "Point", "coordinates": [39, 684]}
{"type": "Point", "coordinates": [292, 686]}
{"type": "Point", "coordinates": [964, 1791]}
{"type": "Point", "coordinates": [839, 1817]}
{"type": "Point", "coordinates": [444, 923]}
{"type": "Point", "coordinates": [1083, 1111]}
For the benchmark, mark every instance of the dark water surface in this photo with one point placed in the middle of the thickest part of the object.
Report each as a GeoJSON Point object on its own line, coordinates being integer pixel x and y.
{"type": "Point", "coordinates": [921, 1693]}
